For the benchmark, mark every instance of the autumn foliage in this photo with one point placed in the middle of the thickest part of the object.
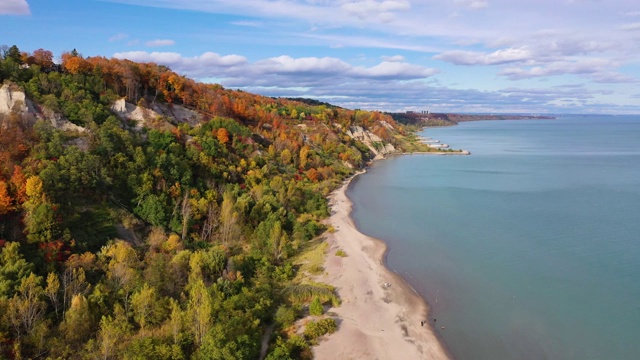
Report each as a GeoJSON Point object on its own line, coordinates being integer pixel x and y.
{"type": "Point", "coordinates": [172, 238]}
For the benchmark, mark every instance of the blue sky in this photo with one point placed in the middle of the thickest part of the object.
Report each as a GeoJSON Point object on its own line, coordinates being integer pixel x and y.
{"type": "Point", "coordinates": [540, 56]}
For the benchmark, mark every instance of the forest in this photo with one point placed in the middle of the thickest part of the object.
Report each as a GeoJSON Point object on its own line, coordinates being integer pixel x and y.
{"type": "Point", "coordinates": [164, 238]}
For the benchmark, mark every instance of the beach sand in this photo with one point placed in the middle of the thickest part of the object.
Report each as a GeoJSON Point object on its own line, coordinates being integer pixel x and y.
{"type": "Point", "coordinates": [380, 315]}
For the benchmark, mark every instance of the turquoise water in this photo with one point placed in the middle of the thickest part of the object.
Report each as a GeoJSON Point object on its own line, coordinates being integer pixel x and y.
{"type": "Point", "coordinates": [527, 249]}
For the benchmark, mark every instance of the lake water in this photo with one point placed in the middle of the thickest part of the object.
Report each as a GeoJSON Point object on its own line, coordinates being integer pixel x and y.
{"type": "Point", "coordinates": [527, 249]}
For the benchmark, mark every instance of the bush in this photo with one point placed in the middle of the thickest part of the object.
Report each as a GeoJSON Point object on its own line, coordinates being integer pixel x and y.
{"type": "Point", "coordinates": [316, 308]}
{"type": "Point", "coordinates": [341, 253]}
{"type": "Point", "coordinates": [315, 329]}
{"type": "Point", "coordinates": [293, 348]}
{"type": "Point", "coordinates": [285, 316]}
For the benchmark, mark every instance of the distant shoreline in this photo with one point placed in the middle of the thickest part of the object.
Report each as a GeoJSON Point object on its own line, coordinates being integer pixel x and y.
{"type": "Point", "coordinates": [381, 315]}
{"type": "Point", "coordinates": [451, 119]}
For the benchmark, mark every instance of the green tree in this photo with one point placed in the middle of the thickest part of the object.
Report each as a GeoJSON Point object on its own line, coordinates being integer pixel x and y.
{"type": "Point", "coordinates": [199, 309]}
{"type": "Point", "coordinates": [145, 306]}
{"type": "Point", "coordinates": [14, 54]}
{"type": "Point", "coordinates": [13, 267]}
{"type": "Point", "coordinates": [113, 330]}
{"type": "Point", "coordinates": [39, 221]}
{"type": "Point", "coordinates": [77, 324]}
{"type": "Point", "coordinates": [122, 266]}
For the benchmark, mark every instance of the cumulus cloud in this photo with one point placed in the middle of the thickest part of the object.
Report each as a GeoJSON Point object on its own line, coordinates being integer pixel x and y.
{"type": "Point", "coordinates": [207, 64]}
{"type": "Point", "coordinates": [287, 68]}
{"type": "Point", "coordinates": [527, 39]}
{"type": "Point", "coordinates": [394, 70]}
{"type": "Point", "coordinates": [389, 85]}
{"type": "Point", "coordinates": [159, 42]}
{"type": "Point", "coordinates": [503, 56]}
{"type": "Point", "coordinates": [310, 65]}
{"type": "Point", "coordinates": [14, 7]}
{"type": "Point", "coordinates": [599, 70]}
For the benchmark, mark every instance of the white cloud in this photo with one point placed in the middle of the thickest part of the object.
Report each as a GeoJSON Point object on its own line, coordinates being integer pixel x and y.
{"type": "Point", "coordinates": [518, 40]}
{"type": "Point", "coordinates": [599, 70]}
{"type": "Point", "coordinates": [382, 10]}
{"type": "Point", "coordinates": [118, 37]}
{"type": "Point", "coordinates": [247, 23]}
{"type": "Point", "coordinates": [281, 71]}
{"type": "Point", "coordinates": [159, 42]}
{"type": "Point", "coordinates": [395, 58]}
{"type": "Point", "coordinates": [287, 64]}
{"type": "Point", "coordinates": [395, 70]}
{"type": "Point", "coordinates": [14, 7]}
{"type": "Point", "coordinates": [503, 56]}
{"type": "Point", "coordinates": [195, 66]}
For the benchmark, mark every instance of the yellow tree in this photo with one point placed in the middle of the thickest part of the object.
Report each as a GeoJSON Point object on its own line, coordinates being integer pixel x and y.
{"type": "Point", "coordinates": [144, 304]}
{"type": "Point", "coordinates": [26, 309]}
{"type": "Point", "coordinates": [52, 291]}
{"type": "Point", "coordinates": [122, 268]}
{"type": "Point", "coordinates": [229, 219]}
{"type": "Point", "coordinates": [304, 155]}
{"type": "Point", "coordinates": [199, 309]}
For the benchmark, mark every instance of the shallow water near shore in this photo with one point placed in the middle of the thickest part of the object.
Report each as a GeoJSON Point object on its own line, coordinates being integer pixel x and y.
{"type": "Point", "coordinates": [527, 249]}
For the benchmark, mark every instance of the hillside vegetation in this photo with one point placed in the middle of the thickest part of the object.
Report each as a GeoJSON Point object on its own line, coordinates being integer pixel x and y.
{"type": "Point", "coordinates": [144, 215]}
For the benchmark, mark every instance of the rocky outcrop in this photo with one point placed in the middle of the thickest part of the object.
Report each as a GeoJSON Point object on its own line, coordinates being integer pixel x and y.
{"type": "Point", "coordinates": [127, 111]}
{"type": "Point", "coordinates": [144, 116]}
{"type": "Point", "coordinates": [13, 100]}
{"type": "Point", "coordinates": [378, 146]}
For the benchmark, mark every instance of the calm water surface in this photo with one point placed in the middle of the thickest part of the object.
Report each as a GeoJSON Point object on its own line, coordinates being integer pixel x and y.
{"type": "Point", "coordinates": [527, 249]}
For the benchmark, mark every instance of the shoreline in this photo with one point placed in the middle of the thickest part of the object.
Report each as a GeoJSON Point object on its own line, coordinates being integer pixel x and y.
{"type": "Point", "coordinates": [381, 315]}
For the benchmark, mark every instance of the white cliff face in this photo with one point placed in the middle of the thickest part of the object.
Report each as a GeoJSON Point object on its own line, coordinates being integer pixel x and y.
{"type": "Point", "coordinates": [13, 100]}
{"type": "Point", "coordinates": [378, 146]}
{"type": "Point", "coordinates": [143, 116]}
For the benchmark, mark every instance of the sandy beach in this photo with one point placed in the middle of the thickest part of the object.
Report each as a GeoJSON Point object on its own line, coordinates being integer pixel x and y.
{"type": "Point", "coordinates": [380, 315]}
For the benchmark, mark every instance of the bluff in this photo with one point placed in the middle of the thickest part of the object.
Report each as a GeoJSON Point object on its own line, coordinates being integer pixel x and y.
{"type": "Point", "coordinates": [147, 215]}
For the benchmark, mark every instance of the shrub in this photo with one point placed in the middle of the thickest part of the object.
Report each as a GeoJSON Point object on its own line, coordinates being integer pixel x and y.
{"type": "Point", "coordinates": [341, 253]}
{"type": "Point", "coordinates": [315, 329]}
{"type": "Point", "coordinates": [316, 308]}
{"type": "Point", "coordinates": [285, 316]}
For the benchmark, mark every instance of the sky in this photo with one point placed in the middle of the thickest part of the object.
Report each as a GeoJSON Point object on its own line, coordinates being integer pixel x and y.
{"type": "Point", "coordinates": [474, 56]}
